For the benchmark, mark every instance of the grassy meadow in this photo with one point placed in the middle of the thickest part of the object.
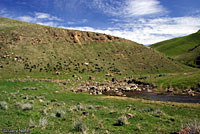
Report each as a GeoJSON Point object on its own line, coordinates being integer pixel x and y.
{"type": "Point", "coordinates": [57, 110]}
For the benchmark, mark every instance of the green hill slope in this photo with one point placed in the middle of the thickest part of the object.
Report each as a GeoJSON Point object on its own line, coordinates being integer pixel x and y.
{"type": "Point", "coordinates": [26, 47]}
{"type": "Point", "coordinates": [184, 49]}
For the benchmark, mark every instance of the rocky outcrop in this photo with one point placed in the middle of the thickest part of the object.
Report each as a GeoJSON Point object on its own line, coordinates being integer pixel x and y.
{"type": "Point", "coordinates": [114, 87]}
{"type": "Point", "coordinates": [127, 86]}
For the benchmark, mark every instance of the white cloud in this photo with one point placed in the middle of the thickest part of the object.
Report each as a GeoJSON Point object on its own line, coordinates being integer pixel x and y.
{"type": "Point", "coordinates": [38, 16]}
{"type": "Point", "coordinates": [129, 8]}
{"type": "Point", "coordinates": [71, 22]}
{"type": "Point", "coordinates": [77, 22]}
{"type": "Point", "coordinates": [42, 15]}
{"type": "Point", "coordinates": [53, 24]}
{"type": "Point", "coordinates": [47, 16]}
{"type": "Point", "coordinates": [143, 7]}
{"type": "Point", "coordinates": [83, 20]}
{"type": "Point", "coordinates": [27, 18]}
{"type": "Point", "coordinates": [2, 11]}
{"type": "Point", "coordinates": [41, 18]}
{"type": "Point", "coordinates": [176, 26]}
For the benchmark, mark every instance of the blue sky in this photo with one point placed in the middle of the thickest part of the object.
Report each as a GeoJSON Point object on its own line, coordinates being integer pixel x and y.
{"type": "Point", "coordinates": [143, 21]}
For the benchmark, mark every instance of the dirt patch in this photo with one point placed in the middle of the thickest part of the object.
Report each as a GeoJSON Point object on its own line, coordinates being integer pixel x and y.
{"type": "Point", "coordinates": [150, 101]}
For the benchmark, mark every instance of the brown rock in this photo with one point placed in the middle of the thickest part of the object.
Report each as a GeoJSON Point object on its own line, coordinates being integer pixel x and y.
{"type": "Point", "coordinates": [107, 89]}
{"type": "Point", "coordinates": [74, 75]}
{"type": "Point", "coordinates": [53, 100]}
{"type": "Point", "coordinates": [138, 89]}
{"type": "Point", "coordinates": [148, 90]}
{"type": "Point", "coordinates": [108, 74]}
{"type": "Point", "coordinates": [186, 130]}
{"type": "Point", "coordinates": [57, 73]}
{"type": "Point", "coordinates": [129, 115]}
{"type": "Point", "coordinates": [99, 107]}
{"type": "Point", "coordinates": [114, 80]}
{"type": "Point", "coordinates": [64, 83]}
{"type": "Point", "coordinates": [94, 93]}
{"type": "Point", "coordinates": [169, 90]}
{"type": "Point", "coordinates": [84, 89]}
{"type": "Point", "coordinates": [56, 104]}
{"type": "Point", "coordinates": [91, 78]}
{"type": "Point", "coordinates": [127, 88]}
{"type": "Point", "coordinates": [85, 113]}
{"type": "Point", "coordinates": [119, 93]}
{"type": "Point", "coordinates": [56, 92]}
{"type": "Point", "coordinates": [99, 92]}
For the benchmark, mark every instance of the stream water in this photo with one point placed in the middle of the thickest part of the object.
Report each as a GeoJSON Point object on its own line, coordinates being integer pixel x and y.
{"type": "Point", "coordinates": [165, 97]}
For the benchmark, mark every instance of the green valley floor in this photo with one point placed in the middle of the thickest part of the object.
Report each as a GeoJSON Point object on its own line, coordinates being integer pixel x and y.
{"type": "Point", "coordinates": [48, 107]}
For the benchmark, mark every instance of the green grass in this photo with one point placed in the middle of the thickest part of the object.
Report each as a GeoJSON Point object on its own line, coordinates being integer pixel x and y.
{"type": "Point", "coordinates": [178, 81]}
{"type": "Point", "coordinates": [184, 49]}
{"type": "Point", "coordinates": [146, 118]}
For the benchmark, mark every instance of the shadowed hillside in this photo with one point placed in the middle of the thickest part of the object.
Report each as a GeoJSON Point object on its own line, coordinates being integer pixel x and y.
{"type": "Point", "coordinates": [26, 47]}
{"type": "Point", "coordinates": [185, 49]}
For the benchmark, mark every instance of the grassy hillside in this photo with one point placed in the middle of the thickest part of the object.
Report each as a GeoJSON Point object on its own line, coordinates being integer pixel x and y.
{"type": "Point", "coordinates": [185, 49]}
{"type": "Point", "coordinates": [26, 47]}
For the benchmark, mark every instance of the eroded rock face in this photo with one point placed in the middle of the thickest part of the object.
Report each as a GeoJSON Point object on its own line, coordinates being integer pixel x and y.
{"type": "Point", "coordinates": [80, 37]}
